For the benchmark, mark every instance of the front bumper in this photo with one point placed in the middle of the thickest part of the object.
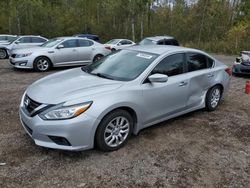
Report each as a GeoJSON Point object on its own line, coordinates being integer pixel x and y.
{"type": "Point", "coordinates": [79, 132]}
{"type": "Point", "coordinates": [22, 63]}
{"type": "Point", "coordinates": [241, 69]}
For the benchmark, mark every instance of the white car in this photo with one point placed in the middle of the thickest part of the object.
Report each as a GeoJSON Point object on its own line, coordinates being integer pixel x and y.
{"type": "Point", "coordinates": [58, 52]}
{"type": "Point", "coordinates": [7, 38]}
{"type": "Point", "coordinates": [20, 42]}
{"type": "Point", "coordinates": [118, 44]}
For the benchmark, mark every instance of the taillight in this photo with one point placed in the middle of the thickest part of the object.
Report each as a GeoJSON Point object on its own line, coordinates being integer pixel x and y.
{"type": "Point", "coordinates": [229, 71]}
{"type": "Point", "coordinates": [108, 47]}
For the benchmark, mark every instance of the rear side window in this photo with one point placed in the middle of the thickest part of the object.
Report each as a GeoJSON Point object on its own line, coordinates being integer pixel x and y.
{"type": "Point", "coordinates": [171, 65]}
{"type": "Point", "coordinates": [196, 62]}
{"type": "Point", "coordinates": [70, 43]}
{"type": "Point", "coordinates": [85, 43]}
{"type": "Point", "coordinates": [210, 62]}
{"type": "Point", "coordinates": [37, 40]}
{"type": "Point", "coordinates": [25, 40]}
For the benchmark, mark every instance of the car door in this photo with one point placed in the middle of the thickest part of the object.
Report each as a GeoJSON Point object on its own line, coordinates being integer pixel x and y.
{"type": "Point", "coordinates": [123, 44]}
{"type": "Point", "coordinates": [37, 41]}
{"type": "Point", "coordinates": [22, 42]}
{"type": "Point", "coordinates": [168, 98]}
{"type": "Point", "coordinates": [201, 75]}
{"type": "Point", "coordinates": [66, 53]}
{"type": "Point", "coordinates": [86, 49]}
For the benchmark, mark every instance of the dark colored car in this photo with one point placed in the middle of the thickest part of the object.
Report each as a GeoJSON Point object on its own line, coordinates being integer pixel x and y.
{"type": "Point", "coordinates": [242, 64]}
{"type": "Point", "coordinates": [89, 36]}
{"type": "Point", "coordinates": [159, 40]}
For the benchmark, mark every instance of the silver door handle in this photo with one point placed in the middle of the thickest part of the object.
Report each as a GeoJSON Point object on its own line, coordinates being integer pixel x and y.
{"type": "Point", "coordinates": [183, 83]}
{"type": "Point", "coordinates": [210, 75]}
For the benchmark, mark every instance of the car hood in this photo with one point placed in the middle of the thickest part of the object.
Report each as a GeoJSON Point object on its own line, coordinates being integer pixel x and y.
{"type": "Point", "coordinates": [69, 85]}
{"type": "Point", "coordinates": [31, 50]}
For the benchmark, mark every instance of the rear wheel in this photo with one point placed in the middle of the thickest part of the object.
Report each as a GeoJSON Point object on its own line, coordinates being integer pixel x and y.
{"type": "Point", "coordinates": [113, 50]}
{"type": "Point", "coordinates": [213, 98]}
{"type": "Point", "coordinates": [42, 64]}
{"type": "Point", "coordinates": [97, 57]}
{"type": "Point", "coordinates": [114, 130]}
{"type": "Point", "coordinates": [3, 54]}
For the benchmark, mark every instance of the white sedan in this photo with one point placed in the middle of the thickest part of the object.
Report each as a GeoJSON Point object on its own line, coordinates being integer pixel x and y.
{"type": "Point", "coordinates": [118, 44]}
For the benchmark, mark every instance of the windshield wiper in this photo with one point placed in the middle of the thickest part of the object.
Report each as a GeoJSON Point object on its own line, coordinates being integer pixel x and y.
{"type": "Point", "coordinates": [102, 76]}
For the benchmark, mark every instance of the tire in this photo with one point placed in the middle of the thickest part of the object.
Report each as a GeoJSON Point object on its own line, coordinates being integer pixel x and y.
{"type": "Point", "coordinates": [97, 57]}
{"type": "Point", "coordinates": [114, 130]}
{"type": "Point", "coordinates": [3, 54]}
{"type": "Point", "coordinates": [42, 64]}
{"type": "Point", "coordinates": [213, 98]}
{"type": "Point", "coordinates": [113, 50]}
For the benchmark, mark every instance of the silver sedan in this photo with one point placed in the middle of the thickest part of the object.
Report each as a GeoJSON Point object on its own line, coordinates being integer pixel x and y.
{"type": "Point", "coordinates": [103, 103]}
{"type": "Point", "coordinates": [64, 51]}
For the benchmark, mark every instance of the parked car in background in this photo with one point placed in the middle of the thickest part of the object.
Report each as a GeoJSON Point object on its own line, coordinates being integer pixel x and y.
{"type": "Point", "coordinates": [160, 40]}
{"type": "Point", "coordinates": [57, 52]}
{"type": "Point", "coordinates": [20, 42]}
{"type": "Point", "coordinates": [105, 102]}
{"type": "Point", "coordinates": [89, 36]}
{"type": "Point", "coordinates": [7, 38]}
{"type": "Point", "coordinates": [242, 64]}
{"type": "Point", "coordinates": [118, 44]}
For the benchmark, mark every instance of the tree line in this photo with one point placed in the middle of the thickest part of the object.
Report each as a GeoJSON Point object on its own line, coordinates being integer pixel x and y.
{"type": "Point", "coordinates": [221, 26]}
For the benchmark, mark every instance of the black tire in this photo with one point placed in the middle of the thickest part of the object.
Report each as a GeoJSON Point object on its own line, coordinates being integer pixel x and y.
{"type": "Point", "coordinates": [103, 127]}
{"type": "Point", "coordinates": [42, 68]}
{"type": "Point", "coordinates": [3, 54]}
{"type": "Point", "coordinates": [97, 57]}
{"type": "Point", "coordinates": [213, 100]}
{"type": "Point", "coordinates": [113, 50]}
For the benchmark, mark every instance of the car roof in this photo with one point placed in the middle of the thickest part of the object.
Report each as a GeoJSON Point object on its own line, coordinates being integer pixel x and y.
{"type": "Point", "coordinates": [69, 37]}
{"type": "Point", "coordinates": [161, 49]}
{"type": "Point", "coordinates": [157, 38]}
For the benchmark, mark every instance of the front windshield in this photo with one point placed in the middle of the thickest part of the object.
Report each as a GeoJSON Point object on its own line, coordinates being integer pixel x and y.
{"type": "Point", "coordinates": [114, 41]}
{"type": "Point", "coordinates": [147, 42]}
{"type": "Point", "coordinates": [123, 65]}
{"type": "Point", "coordinates": [51, 43]}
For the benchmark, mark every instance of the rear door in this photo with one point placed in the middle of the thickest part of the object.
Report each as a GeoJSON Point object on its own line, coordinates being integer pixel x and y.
{"type": "Point", "coordinates": [201, 75]}
{"type": "Point", "coordinates": [86, 48]}
{"type": "Point", "coordinates": [68, 54]}
{"type": "Point", "coordinates": [37, 41]}
{"type": "Point", "coordinates": [165, 99]}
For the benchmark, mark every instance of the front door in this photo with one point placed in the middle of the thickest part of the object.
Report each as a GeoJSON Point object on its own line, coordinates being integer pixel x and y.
{"type": "Point", "coordinates": [168, 98]}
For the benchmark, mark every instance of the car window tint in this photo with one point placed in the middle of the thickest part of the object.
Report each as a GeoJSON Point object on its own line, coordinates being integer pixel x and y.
{"type": "Point", "coordinates": [171, 65]}
{"type": "Point", "coordinates": [175, 42]}
{"type": "Point", "coordinates": [70, 43]}
{"type": "Point", "coordinates": [196, 61]}
{"type": "Point", "coordinates": [25, 40]}
{"type": "Point", "coordinates": [161, 42]}
{"type": "Point", "coordinates": [210, 62]}
{"type": "Point", "coordinates": [128, 42]}
{"type": "Point", "coordinates": [85, 43]}
{"type": "Point", "coordinates": [168, 42]}
{"type": "Point", "coordinates": [123, 42]}
{"type": "Point", "coordinates": [38, 40]}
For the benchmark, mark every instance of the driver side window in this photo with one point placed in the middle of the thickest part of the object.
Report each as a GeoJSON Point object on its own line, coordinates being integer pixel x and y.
{"type": "Point", "coordinates": [171, 65]}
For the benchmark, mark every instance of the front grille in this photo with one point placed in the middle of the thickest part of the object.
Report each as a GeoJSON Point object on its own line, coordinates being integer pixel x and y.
{"type": "Point", "coordinates": [30, 104]}
{"type": "Point", "coordinates": [245, 70]}
{"type": "Point", "coordinates": [246, 63]}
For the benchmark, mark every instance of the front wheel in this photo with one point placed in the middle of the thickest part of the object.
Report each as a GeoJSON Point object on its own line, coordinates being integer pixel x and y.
{"type": "Point", "coordinates": [42, 64]}
{"type": "Point", "coordinates": [114, 130]}
{"type": "Point", "coordinates": [3, 54]}
{"type": "Point", "coordinates": [213, 98]}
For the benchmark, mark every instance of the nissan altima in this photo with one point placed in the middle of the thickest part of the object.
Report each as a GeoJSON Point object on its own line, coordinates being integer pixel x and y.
{"type": "Point", "coordinates": [103, 103]}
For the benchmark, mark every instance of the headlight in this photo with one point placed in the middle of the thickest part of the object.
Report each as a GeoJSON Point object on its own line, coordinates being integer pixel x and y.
{"type": "Point", "coordinates": [23, 55]}
{"type": "Point", "coordinates": [65, 112]}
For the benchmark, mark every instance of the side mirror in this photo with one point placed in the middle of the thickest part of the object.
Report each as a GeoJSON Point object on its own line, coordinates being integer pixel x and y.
{"type": "Point", "coordinates": [17, 42]}
{"type": "Point", "coordinates": [119, 44]}
{"type": "Point", "coordinates": [158, 78]}
{"type": "Point", "coordinates": [60, 46]}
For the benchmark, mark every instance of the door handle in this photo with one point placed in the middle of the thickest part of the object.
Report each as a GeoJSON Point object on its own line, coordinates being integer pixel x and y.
{"type": "Point", "coordinates": [183, 83]}
{"type": "Point", "coordinates": [210, 75]}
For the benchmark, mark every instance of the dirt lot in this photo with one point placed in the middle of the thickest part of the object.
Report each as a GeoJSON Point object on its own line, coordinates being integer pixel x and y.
{"type": "Point", "coordinates": [200, 149]}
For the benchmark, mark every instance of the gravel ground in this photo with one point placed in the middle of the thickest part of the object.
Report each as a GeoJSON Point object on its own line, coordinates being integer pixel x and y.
{"type": "Point", "coordinates": [200, 149]}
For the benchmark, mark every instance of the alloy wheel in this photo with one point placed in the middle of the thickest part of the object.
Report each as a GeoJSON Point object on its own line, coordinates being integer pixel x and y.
{"type": "Point", "coordinates": [43, 64]}
{"type": "Point", "coordinates": [116, 131]}
{"type": "Point", "coordinates": [215, 97]}
{"type": "Point", "coordinates": [3, 54]}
